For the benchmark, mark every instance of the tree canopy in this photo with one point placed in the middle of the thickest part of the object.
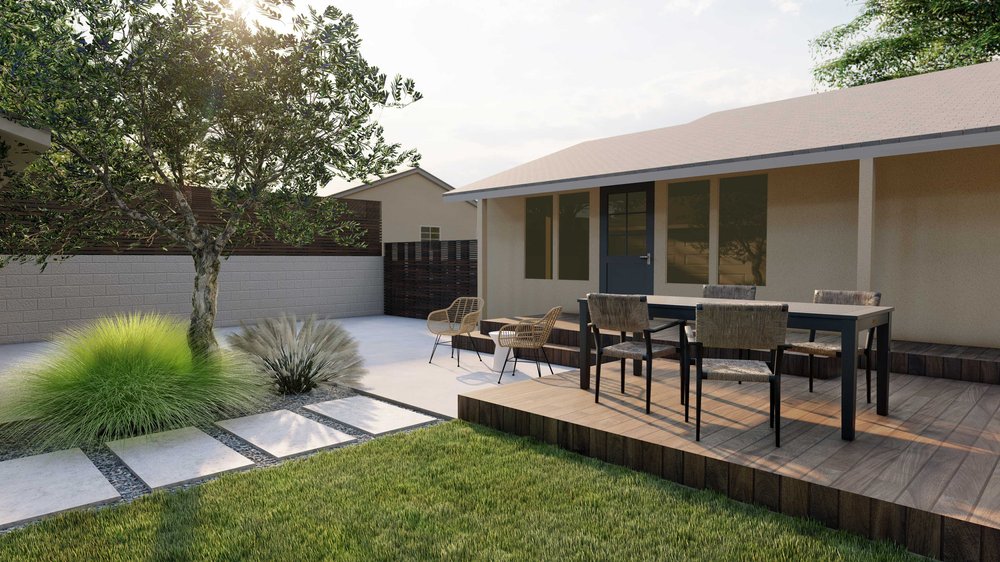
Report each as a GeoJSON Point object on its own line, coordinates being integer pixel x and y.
{"type": "Point", "coordinates": [896, 38]}
{"type": "Point", "coordinates": [147, 99]}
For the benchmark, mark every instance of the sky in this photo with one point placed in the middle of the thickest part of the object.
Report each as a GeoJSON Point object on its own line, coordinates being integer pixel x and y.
{"type": "Point", "coordinates": [505, 82]}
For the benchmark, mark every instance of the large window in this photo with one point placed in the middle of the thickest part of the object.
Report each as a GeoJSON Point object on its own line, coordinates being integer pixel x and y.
{"type": "Point", "coordinates": [687, 232]}
{"type": "Point", "coordinates": [743, 230]}
{"type": "Point", "coordinates": [538, 237]}
{"type": "Point", "coordinates": [574, 236]}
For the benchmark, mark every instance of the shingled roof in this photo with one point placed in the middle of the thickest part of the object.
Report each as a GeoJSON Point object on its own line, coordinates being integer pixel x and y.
{"type": "Point", "coordinates": [937, 111]}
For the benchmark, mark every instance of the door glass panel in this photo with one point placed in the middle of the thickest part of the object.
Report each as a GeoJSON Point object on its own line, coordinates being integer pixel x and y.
{"type": "Point", "coordinates": [617, 224]}
{"type": "Point", "coordinates": [637, 244]}
{"type": "Point", "coordinates": [616, 245]}
{"type": "Point", "coordinates": [637, 223]}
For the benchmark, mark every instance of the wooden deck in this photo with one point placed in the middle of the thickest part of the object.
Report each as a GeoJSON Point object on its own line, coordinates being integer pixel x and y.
{"type": "Point", "coordinates": [926, 476]}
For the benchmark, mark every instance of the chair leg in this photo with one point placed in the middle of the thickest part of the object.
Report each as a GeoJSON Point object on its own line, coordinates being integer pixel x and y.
{"type": "Point", "coordinates": [504, 368]}
{"type": "Point", "coordinates": [538, 367]}
{"type": "Point", "coordinates": [697, 402]}
{"type": "Point", "coordinates": [777, 411]}
{"type": "Point", "coordinates": [514, 369]}
{"type": "Point", "coordinates": [868, 375]}
{"type": "Point", "coordinates": [597, 382]}
{"type": "Point", "coordinates": [623, 376]}
{"type": "Point", "coordinates": [546, 356]}
{"type": "Point", "coordinates": [459, 352]}
{"type": "Point", "coordinates": [810, 360]}
{"type": "Point", "coordinates": [649, 380]}
{"type": "Point", "coordinates": [473, 340]}
{"type": "Point", "coordinates": [770, 406]}
{"type": "Point", "coordinates": [437, 341]}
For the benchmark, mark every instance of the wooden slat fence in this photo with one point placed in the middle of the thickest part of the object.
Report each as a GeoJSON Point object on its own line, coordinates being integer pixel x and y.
{"type": "Point", "coordinates": [425, 276]}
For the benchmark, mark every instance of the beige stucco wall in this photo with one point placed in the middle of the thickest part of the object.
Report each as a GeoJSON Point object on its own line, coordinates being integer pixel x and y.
{"type": "Point", "coordinates": [936, 258]}
{"type": "Point", "coordinates": [812, 243]}
{"type": "Point", "coordinates": [411, 201]}
{"type": "Point", "coordinates": [937, 245]}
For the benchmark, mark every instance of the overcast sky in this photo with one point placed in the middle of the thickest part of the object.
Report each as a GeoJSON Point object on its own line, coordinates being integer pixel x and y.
{"type": "Point", "coordinates": [505, 82]}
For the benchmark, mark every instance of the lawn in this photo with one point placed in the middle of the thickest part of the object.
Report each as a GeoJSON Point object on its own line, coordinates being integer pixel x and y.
{"type": "Point", "coordinates": [453, 491]}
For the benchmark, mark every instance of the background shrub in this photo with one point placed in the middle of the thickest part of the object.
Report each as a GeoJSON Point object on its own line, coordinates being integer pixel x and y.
{"type": "Point", "coordinates": [299, 358]}
{"type": "Point", "coordinates": [125, 376]}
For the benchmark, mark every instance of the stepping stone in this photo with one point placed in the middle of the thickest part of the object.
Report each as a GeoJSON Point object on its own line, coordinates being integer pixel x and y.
{"type": "Point", "coordinates": [32, 487]}
{"type": "Point", "coordinates": [176, 457]}
{"type": "Point", "coordinates": [284, 434]}
{"type": "Point", "coordinates": [369, 415]}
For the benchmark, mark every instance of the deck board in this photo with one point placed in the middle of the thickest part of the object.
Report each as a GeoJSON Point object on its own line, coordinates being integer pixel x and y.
{"type": "Point", "coordinates": [936, 457]}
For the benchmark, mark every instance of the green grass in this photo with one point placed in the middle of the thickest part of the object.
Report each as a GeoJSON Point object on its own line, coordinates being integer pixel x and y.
{"type": "Point", "coordinates": [125, 376]}
{"type": "Point", "coordinates": [450, 492]}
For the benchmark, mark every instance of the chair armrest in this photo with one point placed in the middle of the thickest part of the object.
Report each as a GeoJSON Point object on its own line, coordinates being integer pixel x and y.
{"type": "Point", "coordinates": [660, 327]}
{"type": "Point", "coordinates": [438, 315]}
{"type": "Point", "coordinates": [520, 334]}
{"type": "Point", "coordinates": [470, 320]}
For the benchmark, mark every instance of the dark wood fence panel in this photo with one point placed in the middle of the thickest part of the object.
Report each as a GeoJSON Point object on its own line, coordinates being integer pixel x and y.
{"type": "Point", "coordinates": [425, 276]}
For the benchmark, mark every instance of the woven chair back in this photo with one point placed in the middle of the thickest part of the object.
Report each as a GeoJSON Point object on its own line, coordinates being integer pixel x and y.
{"type": "Point", "coordinates": [859, 298]}
{"type": "Point", "coordinates": [463, 306]}
{"type": "Point", "coordinates": [548, 322]}
{"type": "Point", "coordinates": [737, 292]}
{"type": "Point", "coordinates": [742, 326]}
{"type": "Point", "coordinates": [619, 313]}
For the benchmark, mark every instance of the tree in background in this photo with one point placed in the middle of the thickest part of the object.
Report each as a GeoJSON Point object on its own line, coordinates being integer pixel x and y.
{"type": "Point", "coordinates": [896, 38]}
{"type": "Point", "coordinates": [147, 99]}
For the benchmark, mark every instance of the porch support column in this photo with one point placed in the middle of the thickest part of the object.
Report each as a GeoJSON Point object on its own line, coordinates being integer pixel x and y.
{"type": "Point", "coordinates": [866, 221]}
{"type": "Point", "coordinates": [481, 232]}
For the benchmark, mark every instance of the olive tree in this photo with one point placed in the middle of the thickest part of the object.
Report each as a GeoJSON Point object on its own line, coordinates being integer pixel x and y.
{"type": "Point", "coordinates": [148, 99]}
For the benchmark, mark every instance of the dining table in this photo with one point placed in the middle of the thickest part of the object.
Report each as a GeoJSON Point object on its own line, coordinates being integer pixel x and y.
{"type": "Point", "coordinates": [847, 320]}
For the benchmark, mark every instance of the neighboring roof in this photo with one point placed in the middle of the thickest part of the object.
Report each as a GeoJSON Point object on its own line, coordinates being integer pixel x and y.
{"type": "Point", "coordinates": [389, 179]}
{"type": "Point", "coordinates": [948, 109]}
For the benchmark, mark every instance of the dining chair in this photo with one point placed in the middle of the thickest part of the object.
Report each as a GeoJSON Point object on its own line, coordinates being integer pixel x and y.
{"type": "Point", "coordinates": [460, 318]}
{"type": "Point", "coordinates": [740, 326]}
{"type": "Point", "coordinates": [812, 348]}
{"type": "Point", "coordinates": [737, 292]}
{"type": "Point", "coordinates": [628, 314]}
{"type": "Point", "coordinates": [528, 334]}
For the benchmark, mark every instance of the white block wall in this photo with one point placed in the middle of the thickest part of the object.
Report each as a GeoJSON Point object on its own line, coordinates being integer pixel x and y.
{"type": "Point", "coordinates": [35, 305]}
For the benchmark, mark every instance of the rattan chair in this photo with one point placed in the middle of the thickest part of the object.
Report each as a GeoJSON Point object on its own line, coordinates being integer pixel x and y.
{"type": "Point", "coordinates": [458, 319]}
{"type": "Point", "coordinates": [737, 292]}
{"type": "Point", "coordinates": [528, 334]}
{"type": "Point", "coordinates": [628, 314]}
{"type": "Point", "coordinates": [813, 348]}
{"type": "Point", "coordinates": [741, 326]}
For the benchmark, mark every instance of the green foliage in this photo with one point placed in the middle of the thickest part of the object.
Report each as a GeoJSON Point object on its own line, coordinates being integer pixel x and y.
{"type": "Point", "coordinates": [298, 358]}
{"type": "Point", "coordinates": [126, 376]}
{"type": "Point", "coordinates": [896, 38]}
{"type": "Point", "coordinates": [450, 492]}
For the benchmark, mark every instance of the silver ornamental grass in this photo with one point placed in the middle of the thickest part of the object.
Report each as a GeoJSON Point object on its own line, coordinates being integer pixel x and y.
{"type": "Point", "coordinates": [298, 358]}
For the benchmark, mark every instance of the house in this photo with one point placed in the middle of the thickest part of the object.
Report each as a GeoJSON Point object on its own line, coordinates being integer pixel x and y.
{"type": "Point", "coordinates": [413, 210]}
{"type": "Point", "coordinates": [893, 186]}
{"type": "Point", "coordinates": [19, 145]}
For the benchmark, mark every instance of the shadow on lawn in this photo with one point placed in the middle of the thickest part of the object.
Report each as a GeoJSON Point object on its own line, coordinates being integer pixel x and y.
{"type": "Point", "coordinates": [180, 519]}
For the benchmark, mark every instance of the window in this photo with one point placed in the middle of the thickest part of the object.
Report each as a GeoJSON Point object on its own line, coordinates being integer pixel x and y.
{"type": "Point", "coordinates": [430, 233]}
{"type": "Point", "coordinates": [743, 230]}
{"type": "Point", "coordinates": [687, 232]}
{"type": "Point", "coordinates": [627, 223]}
{"type": "Point", "coordinates": [538, 237]}
{"type": "Point", "coordinates": [574, 236]}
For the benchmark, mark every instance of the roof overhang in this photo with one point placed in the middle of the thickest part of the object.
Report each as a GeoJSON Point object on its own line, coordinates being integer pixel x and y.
{"type": "Point", "coordinates": [875, 149]}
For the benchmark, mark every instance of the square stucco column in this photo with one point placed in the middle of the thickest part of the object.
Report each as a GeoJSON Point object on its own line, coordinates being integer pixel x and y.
{"type": "Point", "coordinates": [481, 232]}
{"type": "Point", "coordinates": [866, 221]}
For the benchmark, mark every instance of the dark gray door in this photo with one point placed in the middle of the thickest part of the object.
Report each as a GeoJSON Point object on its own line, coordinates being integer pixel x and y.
{"type": "Point", "coordinates": [627, 239]}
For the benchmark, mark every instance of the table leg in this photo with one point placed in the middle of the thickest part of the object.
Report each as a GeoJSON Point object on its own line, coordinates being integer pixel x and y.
{"type": "Point", "coordinates": [584, 347]}
{"type": "Point", "coordinates": [883, 337]}
{"type": "Point", "coordinates": [848, 378]}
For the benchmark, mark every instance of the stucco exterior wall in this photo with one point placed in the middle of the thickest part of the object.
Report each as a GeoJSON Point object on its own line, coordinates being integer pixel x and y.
{"type": "Point", "coordinates": [812, 243]}
{"type": "Point", "coordinates": [35, 305]}
{"type": "Point", "coordinates": [936, 250]}
{"type": "Point", "coordinates": [412, 201]}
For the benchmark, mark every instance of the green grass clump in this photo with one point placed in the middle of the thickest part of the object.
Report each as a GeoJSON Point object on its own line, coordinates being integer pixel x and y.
{"type": "Point", "coordinates": [124, 376]}
{"type": "Point", "coordinates": [450, 492]}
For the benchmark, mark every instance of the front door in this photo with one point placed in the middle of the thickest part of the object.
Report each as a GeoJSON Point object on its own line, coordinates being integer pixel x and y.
{"type": "Point", "coordinates": [627, 239]}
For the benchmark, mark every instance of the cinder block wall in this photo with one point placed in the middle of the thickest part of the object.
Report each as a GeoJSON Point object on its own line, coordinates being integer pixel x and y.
{"type": "Point", "coordinates": [34, 305]}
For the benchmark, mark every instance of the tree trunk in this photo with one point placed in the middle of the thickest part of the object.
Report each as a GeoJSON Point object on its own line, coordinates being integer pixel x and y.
{"type": "Point", "coordinates": [201, 336]}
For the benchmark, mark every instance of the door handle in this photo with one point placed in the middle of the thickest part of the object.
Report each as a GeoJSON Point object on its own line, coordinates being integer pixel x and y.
{"type": "Point", "coordinates": [647, 257]}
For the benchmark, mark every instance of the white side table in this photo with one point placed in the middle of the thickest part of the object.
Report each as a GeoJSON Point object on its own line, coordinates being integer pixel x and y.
{"type": "Point", "coordinates": [499, 352]}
